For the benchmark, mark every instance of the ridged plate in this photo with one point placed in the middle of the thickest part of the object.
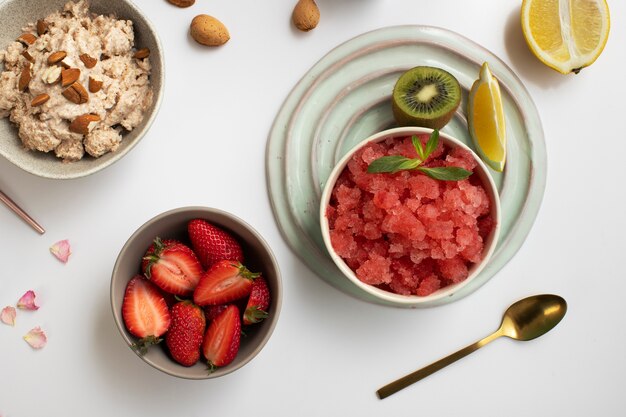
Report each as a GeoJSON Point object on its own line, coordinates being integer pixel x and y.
{"type": "Point", "coordinates": [346, 97]}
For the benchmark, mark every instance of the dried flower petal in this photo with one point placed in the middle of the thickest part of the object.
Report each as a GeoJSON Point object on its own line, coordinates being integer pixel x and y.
{"type": "Point", "coordinates": [8, 315]}
{"type": "Point", "coordinates": [27, 301]}
{"type": "Point", "coordinates": [36, 338]}
{"type": "Point", "coordinates": [61, 250]}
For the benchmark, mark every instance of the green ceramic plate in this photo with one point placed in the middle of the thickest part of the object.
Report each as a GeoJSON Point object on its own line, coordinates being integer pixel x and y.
{"type": "Point", "coordinates": [346, 97]}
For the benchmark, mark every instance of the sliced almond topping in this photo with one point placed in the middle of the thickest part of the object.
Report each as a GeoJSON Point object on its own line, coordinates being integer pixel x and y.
{"type": "Point", "coordinates": [69, 76]}
{"type": "Point", "coordinates": [51, 75]}
{"type": "Point", "coordinates": [88, 60]}
{"type": "Point", "coordinates": [28, 56]}
{"type": "Point", "coordinates": [95, 85]}
{"type": "Point", "coordinates": [42, 27]}
{"type": "Point", "coordinates": [39, 100]}
{"type": "Point", "coordinates": [56, 57]}
{"type": "Point", "coordinates": [27, 38]}
{"type": "Point", "coordinates": [84, 124]}
{"type": "Point", "coordinates": [142, 53]}
{"type": "Point", "coordinates": [25, 77]}
{"type": "Point", "coordinates": [76, 93]}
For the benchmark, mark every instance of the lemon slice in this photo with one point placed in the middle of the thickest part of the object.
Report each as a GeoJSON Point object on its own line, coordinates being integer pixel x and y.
{"type": "Point", "coordinates": [566, 35]}
{"type": "Point", "coordinates": [486, 119]}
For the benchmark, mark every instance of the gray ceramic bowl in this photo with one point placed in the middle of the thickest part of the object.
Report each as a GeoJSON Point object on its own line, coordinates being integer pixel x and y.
{"type": "Point", "coordinates": [173, 224]}
{"type": "Point", "coordinates": [14, 14]}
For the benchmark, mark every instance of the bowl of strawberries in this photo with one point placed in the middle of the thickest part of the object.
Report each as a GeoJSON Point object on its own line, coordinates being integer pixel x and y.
{"type": "Point", "coordinates": [196, 292]}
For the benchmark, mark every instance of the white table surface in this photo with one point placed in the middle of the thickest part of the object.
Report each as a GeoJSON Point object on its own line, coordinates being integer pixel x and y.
{"type": "Point", "coordinates": [329, 352]}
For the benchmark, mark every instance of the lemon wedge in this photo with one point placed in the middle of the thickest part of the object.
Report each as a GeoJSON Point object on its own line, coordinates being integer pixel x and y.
{"type": "Point", "coordinates": [486, 119]}
{"type": "Point", "coordinates": [566, 35]}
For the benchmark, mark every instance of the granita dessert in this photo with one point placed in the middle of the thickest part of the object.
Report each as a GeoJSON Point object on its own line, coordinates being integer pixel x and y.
{"type": "Point", "coordinates": [406, 232]}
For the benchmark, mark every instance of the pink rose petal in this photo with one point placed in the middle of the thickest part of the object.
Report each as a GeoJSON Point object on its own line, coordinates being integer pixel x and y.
{"type": "Point", "coordinates": [61, 250]}
{"type": "Point", "coordinates": [8, 315]}
{"type": "Point", "coordinates": [27, 302]}
{"type": "Point", "coordinates": [36, 338]}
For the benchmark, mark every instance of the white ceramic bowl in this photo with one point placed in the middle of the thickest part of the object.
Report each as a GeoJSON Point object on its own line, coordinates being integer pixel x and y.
{"type": "Point", "coordinates": [387, 297]}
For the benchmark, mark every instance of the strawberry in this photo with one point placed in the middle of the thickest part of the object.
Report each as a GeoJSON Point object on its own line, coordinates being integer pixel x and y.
{"type": "Point", "coordinates": [211, 312]}
{"type": "Point", "coordinates": [172, 267]}
{"type": "Point", "coordinates": [146, 258]}
{"type": "Point", "coordinates": [224, 282]}
{"type": "Point", "coordinates": [258, 302]}
{"type": "Point", "coordinates": [145, 313]}
{"type": "Point", "coordinates": [184, 337]}
{"type": "Point", "coordinates": [221, 341]}
{"type": "Point", "coordinates": [212, 244]}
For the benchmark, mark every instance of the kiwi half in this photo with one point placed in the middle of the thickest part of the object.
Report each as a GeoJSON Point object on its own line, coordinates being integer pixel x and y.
{"type": "Point", "coordinates": [425, 96]}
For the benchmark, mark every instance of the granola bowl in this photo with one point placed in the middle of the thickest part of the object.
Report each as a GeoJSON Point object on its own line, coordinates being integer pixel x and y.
{"type": "Point", "coordinates": [402, 237]}
{"type": "Point", "coordinates": [21, 16]}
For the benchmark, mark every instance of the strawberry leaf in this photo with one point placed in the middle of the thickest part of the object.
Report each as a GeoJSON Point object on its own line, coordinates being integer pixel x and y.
{"type": "Point", "coordinates": [393, 163]}
{"type": "Point", "coordinates": [446, 173]}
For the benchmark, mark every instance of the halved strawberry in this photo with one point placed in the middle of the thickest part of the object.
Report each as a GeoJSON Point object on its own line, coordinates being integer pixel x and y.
{"type": "Point", "coordinates": [185, 335]}
{"type": "Point", "coordinates": [174, 268]}
{"type": "Point", "coordinates": [146, 258]}
{"type": "Point", "coordinates": [224, 282]}
{"type": "Point", "coordinates": [221, 341]}
{"type": "Point", "coordinates": [212, 311]}
{"type": "Point", "coordinates": [212, 244]}
{"type": "Point", "coordinates": [258, 302]}
{"type": "Point", "coordinates": [145, 313]}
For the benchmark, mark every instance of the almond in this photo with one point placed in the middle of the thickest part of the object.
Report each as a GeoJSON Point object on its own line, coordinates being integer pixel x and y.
{"type": "Point", "coordinates": [95, 85]}
{"type": "Point", "coordinates": [142, 53]}
{"type": "Point", "coordinates": [69, 76]}
{"type": "Point", "coordinates": [28, 56]}
{"type": "Point", "coordinates": [56, 57]}
{"type": "Point", "coordinates": [84, 124]}
{"type": "Point", "coordinates": [42, 27]}
{"type": "Point", "coordinates": [306, 15]}
{"type": "Point", "coordinates": [182, 3]}
{"type": "Point", "coordinates": [51, 75]}
{"type": "Point", "coordinates": [209, 31]}
{"type": "Point", "coordinates": [76, 93]}
{"type": "Point", "coordinates": [39, 100]}
{"type": "Point", "coordinates": [88, 61]}
{"type": "Point", "coordinates": [27, 38]}
{"type": "Point", "coordinates": [25, 77]}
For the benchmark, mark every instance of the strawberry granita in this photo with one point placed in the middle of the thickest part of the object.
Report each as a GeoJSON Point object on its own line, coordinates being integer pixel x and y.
{"type": "Point", "coordinates": [405, 232]}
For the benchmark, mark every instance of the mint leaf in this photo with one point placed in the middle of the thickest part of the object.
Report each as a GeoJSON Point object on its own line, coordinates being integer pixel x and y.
{"type": "Point", "coordinates": [417, 144]}
{"type": "Point", "coordinates": [446, 173]}
{"type": "Point", "coordinates": [432, 143]}
{"type": "Point", "coordinates": [393, 163]}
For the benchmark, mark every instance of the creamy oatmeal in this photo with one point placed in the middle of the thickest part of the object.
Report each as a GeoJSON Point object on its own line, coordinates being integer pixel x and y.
{"type": "Point", "coordinates": [73, 82]}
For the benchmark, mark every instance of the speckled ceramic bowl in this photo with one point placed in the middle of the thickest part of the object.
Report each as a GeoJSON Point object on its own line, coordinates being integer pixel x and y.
{"type": "Point", "coordinates": [14, 14]}
{"type": "Point", "coordinates": [438, 296]}
{"type": "Point", "coordinates": [258, 257]}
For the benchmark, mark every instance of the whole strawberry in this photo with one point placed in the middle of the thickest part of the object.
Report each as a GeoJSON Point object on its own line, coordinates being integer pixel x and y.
{"type": "Point", "coordinates": [172, 266]}
{"type": "Point", "coordinates": [184, 337]}
{"type": "Point", "coordinates": [258, 302]}
{"type": "Point", "coordinates": [221, 341]}
{"type": "Point", "coordinates": [212, 244]}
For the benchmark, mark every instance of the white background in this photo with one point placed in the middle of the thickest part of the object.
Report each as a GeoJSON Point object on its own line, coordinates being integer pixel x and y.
{"type": "Point", "coordinates": [329, 352]}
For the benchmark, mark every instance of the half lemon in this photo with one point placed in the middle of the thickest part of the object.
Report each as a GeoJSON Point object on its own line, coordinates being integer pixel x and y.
{"type": "Point", "coordinates": [486, 119]}
{"type": "Point", "coordinates": [566, 35]}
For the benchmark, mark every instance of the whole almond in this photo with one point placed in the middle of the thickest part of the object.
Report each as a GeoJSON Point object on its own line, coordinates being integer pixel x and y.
{"type": "Point", "coordinates": [56, 57]}
{"type": "Point", "coordinates": [27, 38]}
{"type": "Point", "coordinates": [209, 31]}
{"type": "Point", "coordinates": [76, 93]}
{"type": "Point", "coordinates": [25, 77]}
{"type": "Point", "coordinates": [42, 27]}
{"type": "Point", "coordinates": [84, 124]}
{"type": "Point", "coordinates": [182, 3]}
{"type": "Point", "coordinates": [94, 85]}
{"type": "Point", "coordinates": [28, 56]}
{"type": "Point", "coordinates": [39, 100]}
{"type": "Point", "coordinates": [69, 76]}
{"type": "Point", "coordinates": [51, 75]}
{"type": "Point", "coordinates": [306, 15]}
{"type": "Point", "coordinates": [88, 60]}
{"type": "Point", "coordinates": [142, 53]}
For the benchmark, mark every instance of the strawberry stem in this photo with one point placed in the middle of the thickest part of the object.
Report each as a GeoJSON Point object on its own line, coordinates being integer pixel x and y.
{"type": "Point", "coordinates": [141, 346]}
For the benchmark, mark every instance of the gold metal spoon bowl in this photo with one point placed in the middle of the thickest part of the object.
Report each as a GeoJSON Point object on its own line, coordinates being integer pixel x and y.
{"type": "Point", "coordinates": [524, 320]}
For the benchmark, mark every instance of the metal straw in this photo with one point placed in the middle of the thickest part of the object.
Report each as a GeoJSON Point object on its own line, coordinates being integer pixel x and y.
{"type": "Point", "coordinates": [23, 215]}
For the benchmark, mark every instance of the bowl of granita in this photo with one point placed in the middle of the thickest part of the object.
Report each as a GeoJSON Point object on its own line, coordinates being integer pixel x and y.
{"type": "Point", "coordinates": [410, 215]}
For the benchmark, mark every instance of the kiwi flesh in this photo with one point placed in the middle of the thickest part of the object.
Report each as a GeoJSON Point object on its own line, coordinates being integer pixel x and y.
{"type": "Point", "coordinates": [425, 96]}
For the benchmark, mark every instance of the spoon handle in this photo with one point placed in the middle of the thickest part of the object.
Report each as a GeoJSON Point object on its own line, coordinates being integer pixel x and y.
{"type": "Point", "coordinates": [415, 376]}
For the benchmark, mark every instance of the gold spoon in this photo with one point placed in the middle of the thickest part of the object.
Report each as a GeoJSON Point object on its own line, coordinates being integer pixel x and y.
{"type": "Point", "coordinates": [526, 319]}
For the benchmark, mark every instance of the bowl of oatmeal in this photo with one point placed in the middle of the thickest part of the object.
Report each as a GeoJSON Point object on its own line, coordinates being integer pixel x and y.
{"type": "Point", "coordinates": [80, 84]}
{"type": "Point", "coordinates": [411, 236]}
